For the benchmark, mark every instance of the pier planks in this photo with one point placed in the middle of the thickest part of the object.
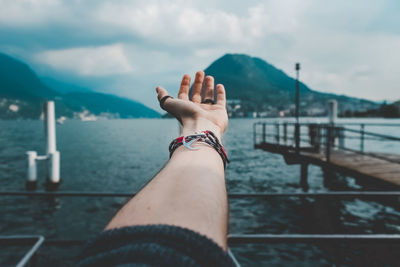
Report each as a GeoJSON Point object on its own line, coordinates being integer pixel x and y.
{"type": "Point", "coordinates": [382, 167]}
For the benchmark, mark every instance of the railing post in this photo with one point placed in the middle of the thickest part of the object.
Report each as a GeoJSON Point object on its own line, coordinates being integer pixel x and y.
{"type": "Point", "coordinates": [328, 142]}
{"type": "Point", "coordinates": [341, 137]}
{"type": "Point", "coordinates": [313, 136]}
{"type": "Point", "coordinates": [318, 138]}
{"type": "Point", "coordinates": [254, 134]}
{"type": "Point", "coordinates": [277, 133]}
{"type": "Point", "coordinates": [362, 138]}
{"type": "Point", "coordinates": [285, 133]}
{"type": "Point", "coordinates": [263, 132]}
{"type": "Point", "coordinates": [297, 137]}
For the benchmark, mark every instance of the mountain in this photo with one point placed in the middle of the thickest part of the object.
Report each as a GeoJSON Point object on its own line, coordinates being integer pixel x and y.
{"type": "Point", "coordinates": [98, 103]}
{"type": "Point", "coordinates": [63, 87]}
{"type": "Point", "coordinates": [18, 81]}
{"type": "Point", "coordinates": [263, 88]}
{"type": "Point", "coordinates": [22, 93]}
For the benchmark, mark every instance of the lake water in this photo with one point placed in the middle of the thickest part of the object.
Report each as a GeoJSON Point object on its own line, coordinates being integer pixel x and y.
{"type": "Point", "coordinates": [122, 155]}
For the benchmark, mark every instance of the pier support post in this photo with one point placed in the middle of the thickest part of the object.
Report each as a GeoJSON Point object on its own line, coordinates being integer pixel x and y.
{"type": "Point", "coordinates": [304, 177]}
{"type": "Point", "coordinates": [31, 176]}
{"type": "Point", "coordinates": [297, 137]}
{"type": "Point", "coordinates": [53, 160]}
{"type": "Point", "coordinates": [329, 178]}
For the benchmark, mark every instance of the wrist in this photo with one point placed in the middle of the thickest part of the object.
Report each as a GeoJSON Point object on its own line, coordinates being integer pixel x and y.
{"type": "Point", "coordinates": [193, 126]}
{"type": "Point", "coordinates": [207, 137]}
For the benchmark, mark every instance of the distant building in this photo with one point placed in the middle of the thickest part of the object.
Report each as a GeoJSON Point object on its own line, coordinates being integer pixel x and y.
{"type": "Point", "coordinates": [233, 107]}
{"type": "Point", "coordinates": [252, 114]}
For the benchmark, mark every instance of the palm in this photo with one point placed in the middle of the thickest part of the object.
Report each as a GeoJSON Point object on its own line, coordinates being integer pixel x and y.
{"type": "Point", "coordinates": [215, 113]}
{"type": "Point", "coordinates": [188, 110]}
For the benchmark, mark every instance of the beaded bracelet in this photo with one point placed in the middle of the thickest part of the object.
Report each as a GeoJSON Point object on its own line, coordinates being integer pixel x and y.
{"type": "Point", "coordinates": [207, 137]}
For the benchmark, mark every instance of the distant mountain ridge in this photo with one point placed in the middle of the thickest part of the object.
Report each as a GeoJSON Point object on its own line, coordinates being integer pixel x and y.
{"type": "Point", "coordinates": [63, 87]}
{"type": "Point", "coordinates": [260, 86]}
{"type": "Point", "coordinates": [22, 92]}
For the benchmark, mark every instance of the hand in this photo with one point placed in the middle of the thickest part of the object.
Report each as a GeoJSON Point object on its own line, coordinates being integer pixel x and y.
{"type": "Point", "coordinates": [192, 114]}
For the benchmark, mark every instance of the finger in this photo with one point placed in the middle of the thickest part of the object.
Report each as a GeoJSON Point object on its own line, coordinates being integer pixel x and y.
{"type": "Point", "coordinates": [184, 89]}
{"type": "Point", "coordinates": [209, 88]}
{"type": "Point", "coordinates": [221, 97]}
{"type": "Point", "coordinates": [198, 84]}
{"type": "Point", "coordinates": [161, 92]}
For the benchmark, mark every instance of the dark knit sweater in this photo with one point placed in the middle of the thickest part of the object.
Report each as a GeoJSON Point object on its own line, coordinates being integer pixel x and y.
{"type": "Point", "coordinates": [153, 245]}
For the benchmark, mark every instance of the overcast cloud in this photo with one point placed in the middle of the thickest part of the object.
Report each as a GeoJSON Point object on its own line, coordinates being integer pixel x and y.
{"type": "Point", "coordinates": [129, 47]}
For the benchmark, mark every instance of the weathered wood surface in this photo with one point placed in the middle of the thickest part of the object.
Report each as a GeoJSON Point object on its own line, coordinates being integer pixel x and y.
{"type": "Point", "coordinates": [366, 165]}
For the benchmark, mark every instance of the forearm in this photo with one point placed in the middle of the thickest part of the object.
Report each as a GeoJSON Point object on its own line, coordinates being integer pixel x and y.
{"type": "Point", "coordinates": [188, 192]}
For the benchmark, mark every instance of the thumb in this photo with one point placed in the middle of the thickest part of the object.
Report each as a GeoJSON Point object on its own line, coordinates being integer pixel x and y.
{"type": "Point", "coordinates": [161, 92]}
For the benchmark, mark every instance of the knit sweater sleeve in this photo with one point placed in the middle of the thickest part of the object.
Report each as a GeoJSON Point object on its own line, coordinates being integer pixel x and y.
{"type": "Point", "coordinates": [153, 245]}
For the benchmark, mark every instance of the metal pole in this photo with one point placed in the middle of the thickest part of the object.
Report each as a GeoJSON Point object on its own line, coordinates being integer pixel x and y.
{"type": "Point", "coordinates": [297, 68]}
{"type": "Point", "coordinates": [297, 127]}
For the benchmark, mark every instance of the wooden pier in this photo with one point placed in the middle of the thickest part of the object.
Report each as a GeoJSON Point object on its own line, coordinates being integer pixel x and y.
{"type": "Point", "coordinates": [328, 146]}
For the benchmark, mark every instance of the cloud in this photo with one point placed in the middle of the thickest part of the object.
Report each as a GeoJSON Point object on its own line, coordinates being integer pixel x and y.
{"type": "Point", "coordinates": [88, 61]}
{"type": "Point", "coordinates": [344, 46]}
{"type": "Point", "coordinates": [30, 13]}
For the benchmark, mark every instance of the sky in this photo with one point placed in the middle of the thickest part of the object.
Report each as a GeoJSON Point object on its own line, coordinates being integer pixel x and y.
{"type": "Point", "coordinates": [127, 48]}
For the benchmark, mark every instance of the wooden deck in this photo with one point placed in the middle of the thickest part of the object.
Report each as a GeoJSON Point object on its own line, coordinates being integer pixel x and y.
{"type": "Point", "coordinates": [380, 167]}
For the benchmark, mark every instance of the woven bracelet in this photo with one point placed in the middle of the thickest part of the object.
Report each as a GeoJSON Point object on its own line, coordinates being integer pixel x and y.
{"type": "Point", "coordinates": [207, 137]}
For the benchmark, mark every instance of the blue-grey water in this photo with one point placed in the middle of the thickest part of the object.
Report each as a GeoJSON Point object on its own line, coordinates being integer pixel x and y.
{"type": "Point", "coordinates": [122, 155]}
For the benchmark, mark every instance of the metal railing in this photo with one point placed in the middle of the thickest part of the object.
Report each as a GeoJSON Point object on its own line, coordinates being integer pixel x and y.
{"type": "Point", "coordinates": [321, 137]}
{"type": "Point", "coordinates": [230, 195]}
{"type": "Point", "coordinates": [30, 255]}
{"type": "Point", "coordinates": [233, 239]}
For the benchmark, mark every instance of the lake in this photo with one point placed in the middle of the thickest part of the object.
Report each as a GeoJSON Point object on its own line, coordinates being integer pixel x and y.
{"type": "Point", "coordinates": [122, 155]}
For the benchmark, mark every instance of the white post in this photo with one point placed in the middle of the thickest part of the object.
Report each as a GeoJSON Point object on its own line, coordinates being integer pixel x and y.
{"type": "Point", "coordinates": [50, 126]}
{"type": "Point", "coordinates": [53, 156]}
{"type": "Point", "coordinates": [332, 114]}
{"type": "Point", "coordinates": [54, 167]}
{"type": "Point", "coordinates": [31, 176]}
{"type": "Point", "coordinates": [332, 111]}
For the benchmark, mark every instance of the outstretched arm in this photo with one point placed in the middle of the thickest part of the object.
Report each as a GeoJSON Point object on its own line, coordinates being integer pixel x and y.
{"type": "Point", "coordinates": [190, 190]}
